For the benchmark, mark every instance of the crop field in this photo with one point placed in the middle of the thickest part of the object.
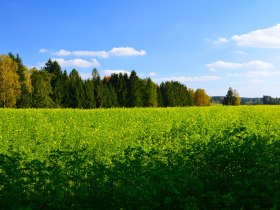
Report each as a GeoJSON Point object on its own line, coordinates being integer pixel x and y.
{"type": "Point", "coordinates": [140, 158]}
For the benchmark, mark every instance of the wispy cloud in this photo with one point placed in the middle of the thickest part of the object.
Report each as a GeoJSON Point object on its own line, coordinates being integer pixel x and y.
{"type": "Point", "coordinates": [256, 64]}
{"type": "Point", "coordinates": [62, 53]}
{"type": "Point", "coordinates": [256, 74]}
{"type": "Point", "coordinates": [151, 74]}
{"type": "Point", "coordinates": [223, 65]}
{"type": "Point", "coordinates": [101, 54]}
{"type": "Point", "coordinates": [126, 51]}
{"type": "Point", "coordinates": [261, 74]}
{"type": "Point", "coordinates": [77, 62]}
{"type": "Point", "coordinates": [220, 40]}
{"type": "Point", "coordinates": [117, 51]}
{"type": "Point", "coordinates": [256, 81]}
{"type": "Point", "coordinates": [262, 38]}
{"type": "Point", "coordinates": [188, 79]}
{"type": "Point", "coordinates": [43, 51]}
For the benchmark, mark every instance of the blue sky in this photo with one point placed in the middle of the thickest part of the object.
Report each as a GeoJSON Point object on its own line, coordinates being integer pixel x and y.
{"type": "Point", "coordinates": [205, 44]}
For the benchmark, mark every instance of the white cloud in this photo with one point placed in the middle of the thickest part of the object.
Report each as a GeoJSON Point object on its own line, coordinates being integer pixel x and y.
{"type": "Point", "coordinates": [77, 62]}
{"type": "Point", "coordinates": [43, 51]}
{"type": "Point", "coordinates": [235, 75]}
{"type": "Point", "coordinates": [256, 81]}
{"type": "Point", "coordinates": [117, 51]}
{"type": "Point", "coordinates": [263, 38]}
{"type": "Point", "coordinates": [62, 53]}
{"type": "Point", "coordinates": [101, 54]}
{"type": "Point", "coordinates": [116, 71]}
{"type": "Point", "coordinates": [256, 64]}
{"type": "Point", "coordinates": [223, 65]}
{"type": "Point", "coordinates": [256, 74]}
{"type": "Point", "coordinates": [126, 51]}
{"type": "Point", "coordinates": [188, 79]}
{"type": "Point", "coordinates": [151, 74]}
{"type": "Point", "coordinates": [220, 40]}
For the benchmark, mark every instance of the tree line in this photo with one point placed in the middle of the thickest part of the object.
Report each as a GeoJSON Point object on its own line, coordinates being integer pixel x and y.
{"type": "Point", "coordinates": [50, 87]}
{"type": "Point", "coordinates": [265, 100]}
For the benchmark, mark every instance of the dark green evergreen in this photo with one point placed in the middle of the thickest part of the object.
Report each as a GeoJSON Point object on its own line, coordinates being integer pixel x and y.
{"type": "Point", "coordinates": [135, 97]}
{"type": "Point", "coordinates": [54, 69]}
{"type": "Point", "coordinates": [89, 94]}
{"type": "Point", "coordinates": [25, 99]}
{"type": "Point", "coordinates": [174, 94]}
{"type": "Point", "coordinates": [119, 83]}
{"type": "Point", "coordinates": [50, 87]}
{"type": "Point", "coordinates": [41, 89]}
{"type": "Point", "coordinates": [100, 93]}
{"type": "Point", "coordinates": [65, 82]}
{"type": "Point", "coordinates": [76, 90]}
{"type": "Point", "coordinates": [159, 97]}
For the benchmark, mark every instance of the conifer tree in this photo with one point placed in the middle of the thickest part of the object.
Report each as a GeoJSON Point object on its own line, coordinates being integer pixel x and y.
{"type": "Point", "coordinates": [54, 69]}
{"type": "Point", "coordinates": [119, 83]}
{"type": "Point", "coordinates": [24, 100]}
{"type": "Point", "coordinates": [65, 98]}
{"type": "Point", "coordinates": [89, 94]}
{"type": "Point", "coordinates": [134, 92]}
{"type": "Point", "coordinates": [76, 90]}
{"type": "Point", "coordinates": [111, 95]}
{"type": "Point", "coordinates": [159, 97]}
{"type": "Point", "coordinates": [100, 93]}
{"type": "Point", "coordinates": [41, 83]}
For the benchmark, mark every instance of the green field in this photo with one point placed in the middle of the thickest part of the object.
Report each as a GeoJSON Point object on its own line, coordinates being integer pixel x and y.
{"type": "Point", "coordinates": [152, 158]}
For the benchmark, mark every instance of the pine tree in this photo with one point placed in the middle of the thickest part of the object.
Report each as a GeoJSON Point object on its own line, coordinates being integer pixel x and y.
{"type": "Point", "coordinates": [111, 95]}
{"type": "Point", "coordinates": [134, 91]}
{"type": "Point", "coordinates": [41, 83]}
{"type": "Point", "coordinates": [119, 83]}
{"type": "Point", "coordinates": [89, 94]}
{"type": "Point", "coordinates": [65, 98]}
{"type": "Point", "coordinates": [76, 90]}
{"type": "Point", "coordinates": [54, 69]}
{"type": "Point", "coordinates": [159, 97]}
{"type": "Point", "coordinates": [168, 94]}
{"type": "Point", "coordinates": [24, 100]}
{"type": "Point", "coordinates": [100, 94]}
{"type": "Point", "coordinates": [95, 74]}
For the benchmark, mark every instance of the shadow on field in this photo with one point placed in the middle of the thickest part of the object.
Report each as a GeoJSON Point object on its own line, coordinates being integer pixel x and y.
{"type": "Point", "coordinates": [235, 170]}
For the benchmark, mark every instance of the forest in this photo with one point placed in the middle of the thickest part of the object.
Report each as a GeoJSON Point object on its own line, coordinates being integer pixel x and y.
{"type": "Point", "coordinates": [52, 87]}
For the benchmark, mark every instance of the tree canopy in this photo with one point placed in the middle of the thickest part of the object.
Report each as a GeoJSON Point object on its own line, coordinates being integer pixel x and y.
{"type": "Point", "coordinates": [232, 98]}
{"type": "Point", "coordinates": [50, 87]}
{"type": "Point", "coordinates": [9, 81]}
